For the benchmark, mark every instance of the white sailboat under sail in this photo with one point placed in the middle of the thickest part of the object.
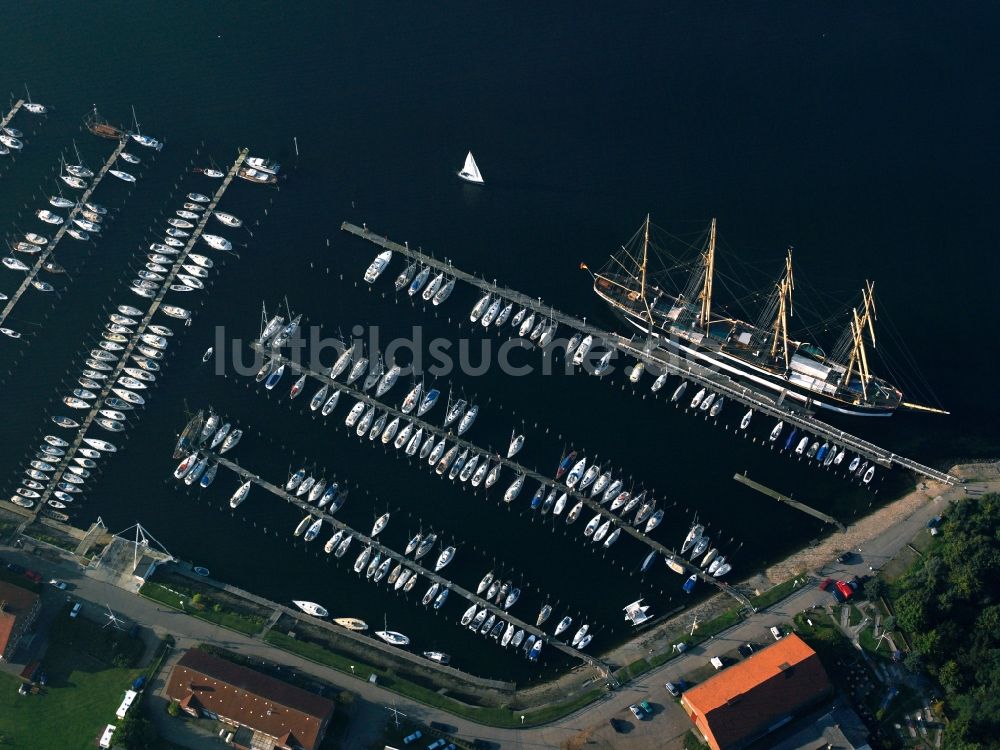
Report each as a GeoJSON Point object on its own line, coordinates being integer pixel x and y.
{"type": "Point", "coordinates": [470, 172]}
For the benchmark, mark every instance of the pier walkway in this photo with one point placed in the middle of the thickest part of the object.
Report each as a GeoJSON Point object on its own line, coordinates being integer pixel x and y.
{"type": "Point", "coordinates": [413, 565]}
{"type": "Point", "coordinates": [123, 360]}
{"type": "Point", "coordinates": [50, 246]}
{"type": "Point", "coordinates": [657, 361]}
{"type": "Point", "coordinates": [430, 429]}
{"type": "Point", "coordinates": [765, 490]}
{"type": "Point", "coordinates": [13, 111]}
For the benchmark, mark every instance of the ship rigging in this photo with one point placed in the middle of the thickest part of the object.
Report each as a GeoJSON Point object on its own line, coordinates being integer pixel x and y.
{"type": "Point", "coordinates": [765, 354]}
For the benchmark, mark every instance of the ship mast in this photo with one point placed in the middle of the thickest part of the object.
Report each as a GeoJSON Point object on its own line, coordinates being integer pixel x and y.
{"type": "Point", "coordinates": [642, 271]}
{"type": "Point", "coordinates": [704, 317]}
{"type": "Point", "coordinates": [858, 325]}
{"type": "Point", "coordinates": [779, 335]}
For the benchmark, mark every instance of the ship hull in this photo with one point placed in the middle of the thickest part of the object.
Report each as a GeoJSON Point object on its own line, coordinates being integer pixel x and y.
{"type": "Point", "coordinates": [754, 377]}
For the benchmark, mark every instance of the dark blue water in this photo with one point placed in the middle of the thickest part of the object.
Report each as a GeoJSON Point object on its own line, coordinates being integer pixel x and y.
{"type": "Point", "coordinates": [863, 139]}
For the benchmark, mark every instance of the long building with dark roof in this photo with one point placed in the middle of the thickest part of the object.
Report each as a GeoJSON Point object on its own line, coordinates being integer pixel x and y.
{"type": "Point", "coordinates": [266, 713]}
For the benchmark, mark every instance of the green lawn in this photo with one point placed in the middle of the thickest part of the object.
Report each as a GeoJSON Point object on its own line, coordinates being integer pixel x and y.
{"type": "Point", "coordinates": [240, 622]}
{"type": "Point", "coordinates": [79, 700]}
{"type": "Point", "coordinates": [777, 593]}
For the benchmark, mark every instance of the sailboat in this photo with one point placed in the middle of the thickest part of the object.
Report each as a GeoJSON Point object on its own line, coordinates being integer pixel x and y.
{"type": "Point", "coordinates": [470, 171]}
{"type": "Point", "coordinates": [391, 636]}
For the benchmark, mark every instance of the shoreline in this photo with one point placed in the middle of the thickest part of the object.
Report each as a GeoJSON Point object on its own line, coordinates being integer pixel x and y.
{"type": "Point", "coordinates": [810, 560]}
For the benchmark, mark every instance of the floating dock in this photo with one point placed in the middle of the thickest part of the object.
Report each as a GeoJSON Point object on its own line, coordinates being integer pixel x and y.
{"type": "Point", "coordinates": [413, 565]}
{"type": "Point", "coordinates": [10, 115]}
{"type": "Point", "coordinates": [439, 432]}
{"type": "Point", "coordinates": [140, 329]}
{"type": "Point", "coordinates": [658, 361]}
{"type": "Point", "coordinates": [50, 247]}
{"type": "Point", "coordinates": [765, 490]}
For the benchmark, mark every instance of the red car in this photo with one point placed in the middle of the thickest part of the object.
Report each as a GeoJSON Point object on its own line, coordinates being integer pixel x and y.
{"type": "Point", "coordinates": [32, 575]}
{"type": "Point", "coordinates": [845, 589]}
{"type": "Point", "coordinates": [826, 584]}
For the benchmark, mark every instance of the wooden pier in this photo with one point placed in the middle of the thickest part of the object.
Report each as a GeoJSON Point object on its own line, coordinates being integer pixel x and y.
{"type": "Point", "coordinates": [50, 246]}
{"type": "Point", "coordinates": [657, 361]}
{"type": "Point", "coordinates": [123, 360]}
{"type": "Point", "coordinates": [413, 565]}
{"type": "Point", "coordinates": [764, 490]}
{"type": "Point", "coordinates": [10, 115]}
{"type": "Point", "coordinates": [430, 429]}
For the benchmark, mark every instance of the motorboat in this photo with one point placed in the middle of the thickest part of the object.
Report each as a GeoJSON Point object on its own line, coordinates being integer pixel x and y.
{"type": "Point", "coordinates": [180, 223]}
{"type": "Point", "coordinates": [209, 476]}
{"type": "Point", "coordinates": [311, 608]}
{"type": "Point", "coordinates": [444, 292]}
{"type": "Point", "coordinates": [654, 520]}
{"type": "Point", "coordinates": [14, 264]}
{"type": "Point", "coordinates": [377, 266]}
{"type": "Point", "coordinates": [491, 313]}
{"type": "Point", "coordinates": [11, 142]}
{"type": "Point", "coordinates": [516, 443]}
{"type": "Point", "coordinates": [432, 289]}
{"type": "Point", "coordinates": [36, 239]}
{"type": "Point", "coordinates": [418, 282]}
{"type": "Point", "coordinates": [582, 350]}
{"type": "Point", "coordinates": [357, 369]}
{"type": "Point", "coordinates": [297, 386]}
{"type": "Point", "coordinates": [274, 377]}
{"type": "Point", "coordinates": [467, 419]}
{"type": "Point", "coordinates": [28, 248]}
{"type": "Point", "coordinates": [446, 556]}
{"type": "Point", "coordinates": [42, 286]}
{"type": "Point", "coordinates": [696, 532]}
{"type": "Point", "coordinates": [57, 201]}
{"type": "Point", "coordinates": [48, 217]}
{"type": "Point", "coordinates": [217, 242]}
{"type": "Point", "coordinates": [698, 397]}
{"type": "Point", "coordinates": [388, 380]}
{"type": "Point", "coordinates": [690, 583]}
{"type": "Point", "coordinates": [602, 531]}
{"type": "Point", "coordinates": [428, 403]}
{"type": "Point", "coordinates": [425, 546]}
{"type": "Point", "coordinates": [514, 489]}
{"type": "Point", "coordinates": [576, 473]}
{"type": "Point", "coordinates": [264, 165]}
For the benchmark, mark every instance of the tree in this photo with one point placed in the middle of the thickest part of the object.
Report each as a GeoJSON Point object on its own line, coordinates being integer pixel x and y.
{"type": "Point", "coordinates": [174, 708]}
{"type": "Point", "coordinates": [875, 589]}
{"type": "Point", "coordinates": [135, 732]}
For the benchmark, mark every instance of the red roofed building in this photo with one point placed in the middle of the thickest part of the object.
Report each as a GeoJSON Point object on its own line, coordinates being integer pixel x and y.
{"type": "Point", "coordinates": [266, 713]}
{"type": "Point", "coordinates": [18, 610]}
{"type": "Point", "coordinates": [747, 701]}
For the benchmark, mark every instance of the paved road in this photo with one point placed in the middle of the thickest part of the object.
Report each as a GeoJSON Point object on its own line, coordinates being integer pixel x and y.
{"type": "Point", "coordinates": [669, 723]}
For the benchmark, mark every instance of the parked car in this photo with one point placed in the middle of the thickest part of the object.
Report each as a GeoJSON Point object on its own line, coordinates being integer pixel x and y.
{"type": "Point", "coordinates": [648, 709]}
{"type": "Point", "coordinates": [73, 613]}
{"type": "Point", "coordinates": [412, 737]}
{"type": "Point", "coordinates": [837, 595]}
{"type": "Point", "coordinates": [827, 583]}
{"type": "Point", "coordinates": [747, 649]}
{"type": "Point", "coordinates": [33, 575]}
{"type": "Point", "coordinates": [844, 588]}
{"type": "Point", "coordinates": [15, 568]}
{"type": "Point", "coordinates": [776, 632]}
{"type": "Point", "coordinates": [636, 712]}
{"type": "Point", "coordinates": [61, 585]}
{"type": "Point", "coordinates": [673, 689]}
{"type": "Point", "coordinates": [139, 682]}
{"type": "Point", "coordinates": [934, 522]}
{"type": "Point", "coordinates": [442, 727]}
{"type": "Point", "coordinates": [436, 744]}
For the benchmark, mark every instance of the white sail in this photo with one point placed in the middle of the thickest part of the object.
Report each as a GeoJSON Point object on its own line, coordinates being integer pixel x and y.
{"type": "Point", "coordinates": [470, 172]}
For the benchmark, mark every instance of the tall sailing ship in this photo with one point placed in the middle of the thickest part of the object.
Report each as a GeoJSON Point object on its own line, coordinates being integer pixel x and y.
{"type": "Point", "coordinates": [763, 355]}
